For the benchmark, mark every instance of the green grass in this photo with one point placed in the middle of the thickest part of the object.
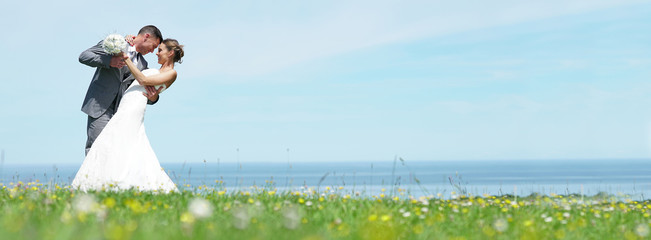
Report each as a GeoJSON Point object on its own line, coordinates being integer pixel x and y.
{"type": "Point", "coordinates": [37, 211]}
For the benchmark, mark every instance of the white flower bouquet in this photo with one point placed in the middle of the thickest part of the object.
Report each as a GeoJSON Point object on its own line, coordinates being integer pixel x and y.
{"type": "Point", "coordinates": [114, 44]}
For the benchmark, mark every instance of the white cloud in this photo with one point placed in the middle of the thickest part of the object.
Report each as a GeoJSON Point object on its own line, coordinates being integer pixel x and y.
{"type": "Point", "coordinates": [277, 40]}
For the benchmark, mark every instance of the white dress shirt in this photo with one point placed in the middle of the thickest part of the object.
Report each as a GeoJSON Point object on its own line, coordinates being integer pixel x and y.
{"type": "Point", "coordinates": [131, 51]}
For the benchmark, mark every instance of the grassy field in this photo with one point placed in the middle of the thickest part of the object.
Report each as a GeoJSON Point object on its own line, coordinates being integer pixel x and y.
{"type": "Point", "coordinates": [37, 211]}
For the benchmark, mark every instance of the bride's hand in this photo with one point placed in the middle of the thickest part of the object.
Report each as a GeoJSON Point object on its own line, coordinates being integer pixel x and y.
{"type": "Point", "coordinates": [152, 92]}
{"type": "Point", "coordinates": [130, 39]}
{"type": "Point", "coordinates": [124, 55]}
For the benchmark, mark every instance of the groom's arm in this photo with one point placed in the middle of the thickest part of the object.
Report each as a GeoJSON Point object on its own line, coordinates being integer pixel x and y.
{"type": "Point", "coordinates": [96, 57]}
{"type": "Point", "coordinates": [152, 94]}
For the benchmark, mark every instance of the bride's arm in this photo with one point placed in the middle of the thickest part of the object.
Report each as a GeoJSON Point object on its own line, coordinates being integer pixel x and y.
{"type": "Point", "coordinates": [163, 78]}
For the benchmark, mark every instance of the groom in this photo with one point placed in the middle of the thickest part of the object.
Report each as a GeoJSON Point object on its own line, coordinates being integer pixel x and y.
{"type": "Point", "coordinates": [112, 78]}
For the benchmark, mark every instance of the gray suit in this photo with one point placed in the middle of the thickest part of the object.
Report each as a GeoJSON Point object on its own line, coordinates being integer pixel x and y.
{"type": "Point", "coordinates": [105, 90]}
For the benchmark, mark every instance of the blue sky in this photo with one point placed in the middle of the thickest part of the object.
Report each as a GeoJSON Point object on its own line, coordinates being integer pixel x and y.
{"type": "Point", "coordinates": [346, 81]}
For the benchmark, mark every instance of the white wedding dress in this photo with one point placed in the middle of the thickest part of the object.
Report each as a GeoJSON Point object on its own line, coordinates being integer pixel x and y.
{"type": "Point", "coordinates": [121, 157]}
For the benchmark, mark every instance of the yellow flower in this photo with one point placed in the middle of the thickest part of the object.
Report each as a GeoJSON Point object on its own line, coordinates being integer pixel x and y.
{"type": "Point", "coordinates": [301, 200]}
{"type": "Point", "coordinates": [271, 193]}
{"type": "Point", "coordinates": [418, 229]}
{"type": "Point", "coordinates": [109, 202]}
{"type": "Point", "coordinates": [372, 218]}
{"type": "Point", "coordinates": [187, 217]}
{"type": "Point", "coordinates": [221, 193]}
{"type": "Point", "coordinates": [385, 218]}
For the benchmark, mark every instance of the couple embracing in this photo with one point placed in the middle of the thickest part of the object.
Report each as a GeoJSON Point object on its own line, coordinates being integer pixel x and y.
{"type": "Point", "coordinates": [118, 153]}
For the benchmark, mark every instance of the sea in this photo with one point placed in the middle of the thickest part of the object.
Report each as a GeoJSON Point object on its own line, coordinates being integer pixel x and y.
{"type": "Point", "coordinates": [629, 178]}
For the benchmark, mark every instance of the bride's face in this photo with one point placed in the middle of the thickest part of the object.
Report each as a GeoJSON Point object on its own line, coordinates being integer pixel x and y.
{"type": "Point", "coordinates": [163, 54]}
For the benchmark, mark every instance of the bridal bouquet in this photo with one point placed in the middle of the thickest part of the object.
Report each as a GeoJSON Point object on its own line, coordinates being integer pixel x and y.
{"type": "Point", "coordinates": [114, 44]}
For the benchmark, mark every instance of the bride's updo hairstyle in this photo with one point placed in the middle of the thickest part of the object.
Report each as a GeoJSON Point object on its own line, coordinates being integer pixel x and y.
{"type": "Point", "coordinates": [174, 46]}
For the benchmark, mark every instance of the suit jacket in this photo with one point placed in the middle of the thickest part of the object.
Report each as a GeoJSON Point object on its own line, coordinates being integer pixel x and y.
{"type": "Point", "coordinates": [108, 83]}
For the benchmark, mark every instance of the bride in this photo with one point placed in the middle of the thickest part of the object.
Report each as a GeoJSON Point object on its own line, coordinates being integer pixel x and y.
{"type": "Point", "coordinates": [122, 158]}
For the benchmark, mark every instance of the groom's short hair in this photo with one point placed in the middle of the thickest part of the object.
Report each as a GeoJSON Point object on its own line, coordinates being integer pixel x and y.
{"type": "Point", "coordinates": [152, 30]}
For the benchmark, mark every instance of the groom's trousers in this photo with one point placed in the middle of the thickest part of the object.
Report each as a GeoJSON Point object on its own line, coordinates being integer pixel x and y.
{"type": "Point", "coordinates": [95, 125]}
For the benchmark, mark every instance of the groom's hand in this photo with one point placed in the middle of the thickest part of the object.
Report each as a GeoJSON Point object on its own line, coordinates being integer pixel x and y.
{"type": "Point", "coordinates": [117, 61]}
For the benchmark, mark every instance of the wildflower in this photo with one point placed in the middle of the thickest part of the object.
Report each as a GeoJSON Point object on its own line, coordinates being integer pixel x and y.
{"type": "Point", "coordinates": [385, 218]}
{"type": "Point", "coordinates": [187, 217]}
{"type": "Point", "coordinates": [372, 218]}
{"type": "Point", "coordinates": [406, 214]}
{"type": "Point", "coordinates": [308, 203]}
{"type": "Point", "coordinates": [337, 221]}
{"type": "Point", "coordinates": [241, 218]}
{"type": "Point", "coordinates": [500, 225]}
{"type": "Point", "coordinates": [642, 230]}
{"type": "Point", "coordinates": [548, 219]}
{"type": "Point", "coordinates": [424, 201]}
{"type": "Point", "coordinates": [292, 217]}
{"type": "Point", "coordinates": [101, 213]}
{"type": "Point", "coordinates": [84, 203]}
{"type": "Point", "coordinates": [200, 208]}
{"type": "Point", "coordinates": [108, 202]}
{"type": "Point", "coordinates": [66, 216]}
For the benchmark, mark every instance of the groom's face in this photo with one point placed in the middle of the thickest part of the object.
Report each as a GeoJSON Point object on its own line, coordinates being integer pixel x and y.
{"type": "Point", "coordinates": [147, 44]}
